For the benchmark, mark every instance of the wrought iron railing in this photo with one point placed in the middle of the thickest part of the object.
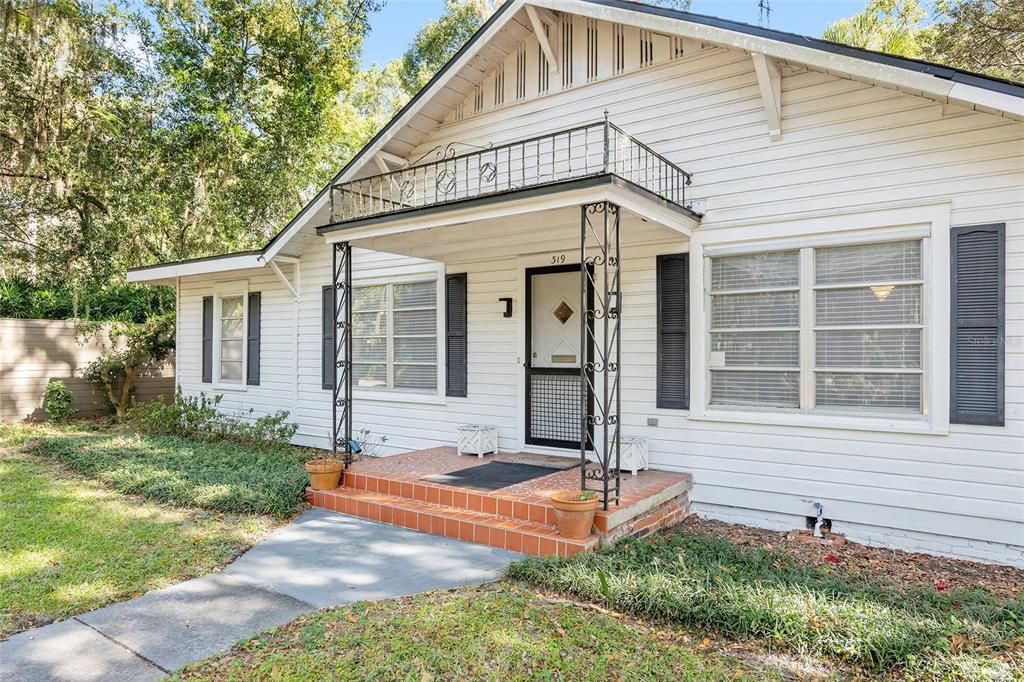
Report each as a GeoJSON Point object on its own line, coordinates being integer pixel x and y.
{"type": "Point", "coordinates": [590, 150]}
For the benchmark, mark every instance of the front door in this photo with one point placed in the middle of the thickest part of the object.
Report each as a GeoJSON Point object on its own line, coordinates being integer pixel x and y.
{"type": "Point", "coordinates": [554, 389]}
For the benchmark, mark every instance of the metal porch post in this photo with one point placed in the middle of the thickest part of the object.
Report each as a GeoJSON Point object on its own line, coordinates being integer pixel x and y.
{"type": "Point", "coordinates": [341, 408]}
{"type": "Point", "coordinates": [603, 239]}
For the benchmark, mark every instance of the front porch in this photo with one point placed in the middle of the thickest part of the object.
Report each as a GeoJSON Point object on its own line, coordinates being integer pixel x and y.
{"type": "Point", "coordinates": [518, 518]}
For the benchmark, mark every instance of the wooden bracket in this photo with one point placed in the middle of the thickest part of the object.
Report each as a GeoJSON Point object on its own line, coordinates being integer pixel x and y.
{"type": "Point", "coordinates": [769, 81]}
{"type": "Point", "coordinates": [542, 37]}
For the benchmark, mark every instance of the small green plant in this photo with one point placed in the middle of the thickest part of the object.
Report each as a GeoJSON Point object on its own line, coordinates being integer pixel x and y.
{"type": "Point", "coordinates": [198, 418]}
{"type": "Point", "coordinates": [587, 495]}
{"type": "Point", "coordinates": [58, 401]}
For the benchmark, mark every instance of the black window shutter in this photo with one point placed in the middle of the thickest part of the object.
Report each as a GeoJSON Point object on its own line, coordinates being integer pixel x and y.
{"type": "Point", "coordinates": [207, 339]}
{"type": "Point", "coordinates": [456, 349]}
{"type": "Point", "coordinates": [977, 320]}
{"type": "Point", "coordinates": [674, 331]}
{"type": "Point", "coordinates": [253, 341]}
{"type": "Point", "coordinates": [327, 338]}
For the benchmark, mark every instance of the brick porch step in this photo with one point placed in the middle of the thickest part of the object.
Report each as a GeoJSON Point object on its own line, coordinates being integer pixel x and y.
{"type": "Point", "coordinates": [530, 508]}
{"type": "Point", "coordinates": [516, 535]}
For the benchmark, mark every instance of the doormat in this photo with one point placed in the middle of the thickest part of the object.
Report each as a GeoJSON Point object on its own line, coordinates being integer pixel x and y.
{"type": "Point", "coordinates": [491, 476]}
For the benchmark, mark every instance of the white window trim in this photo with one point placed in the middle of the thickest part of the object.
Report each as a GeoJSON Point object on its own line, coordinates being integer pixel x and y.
{"type": "Point", "coordinates": [384, 394]}
{"type": "Point", "coordinates": [228, 290]}
{"type": "Point", "coordinates": [928, 222]}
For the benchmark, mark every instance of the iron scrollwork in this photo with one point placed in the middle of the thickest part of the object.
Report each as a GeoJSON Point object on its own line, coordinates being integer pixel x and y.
{"type": "Point", "coordinates": [341, 405]}
{"type": "Point", "coordinates": [599, 272]}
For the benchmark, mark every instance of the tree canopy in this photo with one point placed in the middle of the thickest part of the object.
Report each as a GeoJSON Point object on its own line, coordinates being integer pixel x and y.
{"type": "Point", "coordinates": [983, 36]}
{"type": "Point", "coordinates": [169, 129]}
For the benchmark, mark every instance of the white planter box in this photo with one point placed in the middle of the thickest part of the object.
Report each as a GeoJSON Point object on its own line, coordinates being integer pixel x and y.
{"type": "Point", "coordinates": [633, 455]}
{"type": "Point", "coordinates": [477, 439]}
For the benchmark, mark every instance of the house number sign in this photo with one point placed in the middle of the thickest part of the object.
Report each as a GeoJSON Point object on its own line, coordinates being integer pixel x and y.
{"type": "Point", "coordinates": [558, 259]}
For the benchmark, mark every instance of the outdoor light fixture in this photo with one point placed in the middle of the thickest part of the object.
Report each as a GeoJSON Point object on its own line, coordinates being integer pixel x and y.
{"type": "Point", "coordinates": [508, 306]}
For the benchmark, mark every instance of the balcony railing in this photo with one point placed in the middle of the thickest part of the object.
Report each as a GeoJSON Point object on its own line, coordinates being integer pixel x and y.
{"type": "Point", "coordinates": [595, 149]}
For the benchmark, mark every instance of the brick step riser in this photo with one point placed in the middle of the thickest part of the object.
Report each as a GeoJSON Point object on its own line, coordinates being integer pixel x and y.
{"type": "Point", "coordinates": [436, 522]}
{"type": "Point", "coordinates": [446, 496]}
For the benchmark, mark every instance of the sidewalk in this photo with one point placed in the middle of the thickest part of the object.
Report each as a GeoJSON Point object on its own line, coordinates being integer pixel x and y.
{"type": "Point", "coordinates": [320, 560]}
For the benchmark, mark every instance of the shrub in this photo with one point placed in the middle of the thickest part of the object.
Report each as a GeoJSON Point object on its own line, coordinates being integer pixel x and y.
{"type": "Point", "coordinates": [21, 298]}
{"type": "Point", "coordinates": [58, 401]}
{"type": "Point", "coordinates": [138, 345]}
{"type": "Point", "coordinates": [198, 418]}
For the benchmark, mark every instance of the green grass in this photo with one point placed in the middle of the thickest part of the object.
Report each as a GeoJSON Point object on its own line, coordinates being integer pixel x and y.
{"type": "Point", "coordinates": [750, 594]}
{"type": "Point", "coordinates": [500, 632]}
{"type": "Point", "coordinates": [68, 545]}
{"type": "Point", "coordinates": [218, 476]}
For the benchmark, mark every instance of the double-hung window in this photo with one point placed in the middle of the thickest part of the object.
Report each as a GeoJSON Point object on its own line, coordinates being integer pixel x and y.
{"type": "Point", "coordinates": [395, 336]}
{"type": "Point", "coordinates": [832, 329]}
{"type": "Point", "coordinates": [231, 339]}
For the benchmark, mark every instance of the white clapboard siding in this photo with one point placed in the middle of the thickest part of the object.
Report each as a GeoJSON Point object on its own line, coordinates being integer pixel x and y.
{"type": "Point", "coordinates": [846, 146]}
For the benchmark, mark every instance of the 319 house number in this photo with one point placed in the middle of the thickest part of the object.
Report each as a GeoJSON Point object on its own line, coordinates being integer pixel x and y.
{"type": "Point", "coordinates": [558, 260]}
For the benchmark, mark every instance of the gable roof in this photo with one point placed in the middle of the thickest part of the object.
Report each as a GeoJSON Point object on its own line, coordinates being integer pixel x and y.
{"type": "Point", "coordinates": [916, 76]}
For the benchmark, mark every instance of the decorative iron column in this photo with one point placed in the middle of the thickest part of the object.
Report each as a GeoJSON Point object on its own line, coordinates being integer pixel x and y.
{"type": "Point", "coordinates": [601, 346]}
{"type": "Point", "coordinates": [341, 408]}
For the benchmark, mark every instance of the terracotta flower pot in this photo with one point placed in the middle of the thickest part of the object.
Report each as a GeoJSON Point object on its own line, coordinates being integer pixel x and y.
{"type": "Point", "coordinates": [574, 516]}
{"type": "Point", "coordinates": [324, 474]}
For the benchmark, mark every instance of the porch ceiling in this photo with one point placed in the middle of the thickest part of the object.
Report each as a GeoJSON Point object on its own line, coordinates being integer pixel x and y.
{"type": "Point", "coordinates": [517, 223]}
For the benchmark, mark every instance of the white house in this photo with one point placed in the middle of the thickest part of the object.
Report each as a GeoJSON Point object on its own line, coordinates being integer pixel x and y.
{"type": "Point", "coordinates": [803, 281]}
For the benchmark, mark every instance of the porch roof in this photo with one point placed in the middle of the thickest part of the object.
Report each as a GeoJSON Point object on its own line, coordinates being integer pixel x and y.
{"type": "Point", "coordinates": [533, 220]}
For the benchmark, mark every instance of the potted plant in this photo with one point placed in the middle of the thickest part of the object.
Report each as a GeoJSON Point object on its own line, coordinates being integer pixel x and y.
{"type": "Point", "coordinates": [574, 512]}
{"type": "Point", "coordinates": [324, 474]}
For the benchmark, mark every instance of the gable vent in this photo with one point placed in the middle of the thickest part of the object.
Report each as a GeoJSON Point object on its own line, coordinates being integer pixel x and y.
{"type": "Point", "coordinates": [566, 25]}
{"type": "Point", "coordinates": [543, 69]}
{"type": "Point", "coordinates": [499, 86]}
{"type": "Point", "coordinates": [677, 47]}
{"type": "Point", "coordinates": [618, 48]}
{"type": "Point", "coordinates": [521, 73]}
{"type": "Point", "coordinates": [478, 100]}
{"type": "Point", "coordinates": [591, 49]}
{"type": "Point", "coordinates": [646, 49]}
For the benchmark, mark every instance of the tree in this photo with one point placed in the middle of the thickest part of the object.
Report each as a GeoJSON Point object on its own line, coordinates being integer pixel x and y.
{"type": "Point", "coordinates": [891, 26]}
{"type": "Point", "coordinates": [249, 122]}
{"type": "Point", "coordinates": [69, 108]}
{"type": "Point", "coordinates": [437, 41]}
{"type": "Point", "coordinates": [984, 36]}
{"type": "Point", "coordinates": [180, 129]}
{"type": "Point", "coordinates": [135, 346]}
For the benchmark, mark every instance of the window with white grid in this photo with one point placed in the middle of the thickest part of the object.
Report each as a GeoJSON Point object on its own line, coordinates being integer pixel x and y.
{"type": "Point", "coordinates": [836, 329]}
{"type": "Point", "coordinates": [868, 327]}
{"type": "Point", "coordinates": [755, 330]}
{"type": "Point", "coordinates": [395, 339]}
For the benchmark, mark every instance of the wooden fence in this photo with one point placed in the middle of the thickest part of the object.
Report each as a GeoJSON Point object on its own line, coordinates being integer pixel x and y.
{"type": "Point", "coordinates": [35, 352]}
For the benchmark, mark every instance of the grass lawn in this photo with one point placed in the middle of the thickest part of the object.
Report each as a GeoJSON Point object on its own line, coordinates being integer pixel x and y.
{"type": "Point", "coordinates": [175, 471]}
{"type": "Point", "coordinates": [766, 597]}
{"type": "Point", "coordinates": [68, 544]}
{"type": "Point", "coordinates": [497, 632]}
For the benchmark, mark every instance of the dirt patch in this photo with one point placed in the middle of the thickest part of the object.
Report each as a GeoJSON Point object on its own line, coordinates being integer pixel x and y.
{"type": "Point", "coordinates": [909, 569]}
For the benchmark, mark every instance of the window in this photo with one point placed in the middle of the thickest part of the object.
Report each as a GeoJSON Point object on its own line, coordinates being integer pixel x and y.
{"type": "Point", "coordinates": [830, 329]}
{"type": "Point", "coordinates": [395, 340]}
{"type": "Point", "coordinates": [231, 339]}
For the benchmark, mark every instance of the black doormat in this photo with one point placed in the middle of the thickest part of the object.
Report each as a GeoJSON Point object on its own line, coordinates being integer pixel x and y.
{"type": "Point", "coordinates": [491, 476]}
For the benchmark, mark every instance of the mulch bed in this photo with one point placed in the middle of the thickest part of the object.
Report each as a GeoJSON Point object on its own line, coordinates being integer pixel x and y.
{"type": "Point", "coordinates": [905, 568]}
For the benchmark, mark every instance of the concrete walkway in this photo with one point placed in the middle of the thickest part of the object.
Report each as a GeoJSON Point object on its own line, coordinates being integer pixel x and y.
{"type": "Point", "coordinates": [322, 559]}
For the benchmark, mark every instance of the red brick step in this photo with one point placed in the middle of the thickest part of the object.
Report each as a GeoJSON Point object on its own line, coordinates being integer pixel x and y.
{"type": "Point", "coordinates": [516, 535]}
